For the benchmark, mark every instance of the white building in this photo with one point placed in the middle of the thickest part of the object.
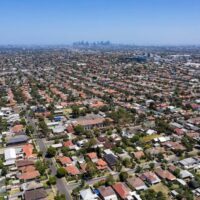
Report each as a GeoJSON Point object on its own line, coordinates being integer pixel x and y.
{"type": "Point", "coordinates": [10, 156]}
{"type": "Point", "coordinates": [87, 194]}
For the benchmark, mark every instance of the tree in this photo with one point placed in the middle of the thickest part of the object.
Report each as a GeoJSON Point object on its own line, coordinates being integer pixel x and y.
{"type": "Point", "coordinates": [91, 169]}
{"type": "Point", "coordinates": [161, 196]}
{"type": "Point", "coordinates": [162, 126]}
{"type": "Point", "coordinates": [118, 166]}
{"type": "Point", "coordinates": [188, 143]}
{"type": "Point", "coordinates": [160, 157]}
{"type": "Point", "coordinates": [79, 129]}
{"type": "Point", "coordinates": [109, 180]}
{"type": "Point", "coordinates": [4, 171]}
{"type": "Point", "coordinates": [99, 151]}
{"type": "Point", "coordinates": [43, 127]}
{"type": "Point", "coordinates": [176, 172]}
{"type": "Point", "coordinates": [121, 116]}
{"type": "Point", "coordinates": [40, 154]}
{"type": "Point", "coordinates": [127, 162]}
{"type": "Point", "coordinates": [52, 180]}
{"type": "Point", "coordinates": [138, 169]}
{"type": "Point", "coordinates": [123, 176]}
{"type": "Point", "coordinates": [51, 152]}
{"type": "Point", "coordinates": [29, 130]}
{"type": "Point", "coordinates": [91, 143]}
{"type": "Point", "coordinates": [151, 194]}
{"type": "Point", "coordinates": [41, 167]}
{"type": "Point", "coordinates": [61, 172]}
{"type": "Point", "coordinates": [59, 197]}
{"type": "Point", "coordinates": [75, 111]}
{"type": "Point", "coordinates": [65, 151]}
{"type": "Point", "coordinates": [151, 165]}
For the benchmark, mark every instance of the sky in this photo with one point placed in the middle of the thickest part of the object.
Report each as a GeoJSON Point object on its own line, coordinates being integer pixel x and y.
{"type": "Point", "coordinates": [140, 22]}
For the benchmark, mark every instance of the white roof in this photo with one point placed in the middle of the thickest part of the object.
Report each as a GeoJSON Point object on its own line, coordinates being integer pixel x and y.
{"type": "Point", "coordinates": [57, 145]}
{"type": "Point", "coordinates": [150, 132]}
{"type": "Point", "coordinates": [163, 139]}
{"type": "Point", "coordinates": [108, 151]}
{"type": "Point", "coordinates": [58, 107]}
{"type": "Point", "coordinates": [53, 123]}
{"type": "Point", "coordinates": [10, 154]}
{"type": "Point", "coordinates": [59, 129]}
{"type": "Point", "coordinates": [9, 162]}
{"type": "Point", "coordinates": [185, 174]}
{"type": "Point", "coordinates": [181, 181]}
{"type": "Point", "coordinates": [88, 195]}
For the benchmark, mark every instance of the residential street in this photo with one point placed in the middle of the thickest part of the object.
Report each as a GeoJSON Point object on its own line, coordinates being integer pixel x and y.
{"type": "Point", "coordinates": [61, 184]}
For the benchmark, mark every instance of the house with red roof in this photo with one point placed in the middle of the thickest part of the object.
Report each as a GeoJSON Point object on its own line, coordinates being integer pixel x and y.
{"type": "Point", "coordinates": [64, 161]}
{"type": "Point", "coordinates": [27, 176]}
{"type": "Point", "coordinates": [122, 190]}
{"type": "Point", "coordinates": [93, 156]}
{"type": "Point", "coordinates": [165, 174]}
{"type": "Point", "coordinates": [69, 144]}
{"type": "Point", "coordinates": [72, 170]}
{"type": "Point", "coordinates": [27, 149]}
{"type": "Point", "coordinates": [101, 164]}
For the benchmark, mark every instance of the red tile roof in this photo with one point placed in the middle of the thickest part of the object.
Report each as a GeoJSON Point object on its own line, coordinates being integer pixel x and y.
{"type": "Point", "coordinates": [29, 168]}
{"type": "Point", "coordinates": [29, 175]}
{"type": "Point", "coordinates": [73, 170]}
{"type": "Point", "coordinates": [121, 189]}
{"type": "Point", "coordinates": [92, 155]}
{"type": "Point", "coordinates": [64, 160]}
{"type": "Point", "coordinates": [68, 143]}
{"type": "Point", "coordinates": [28, 150]}
{"type": "Point", "coordinates": [17, 128]}
{"type": "Point", "coordinates": [165, 174]}
{"type": "Point", "coordinates": [101, 164]}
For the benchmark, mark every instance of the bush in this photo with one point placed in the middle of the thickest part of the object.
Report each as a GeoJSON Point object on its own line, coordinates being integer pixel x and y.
{"type": "Point", "coordinates": [61, 172]}
{"type": "Point", "coordinates": [51, 152]}
{"type": "Point", "coordinates": [52, 180]}
{"type": "Point", "coordinates": [123, 176]}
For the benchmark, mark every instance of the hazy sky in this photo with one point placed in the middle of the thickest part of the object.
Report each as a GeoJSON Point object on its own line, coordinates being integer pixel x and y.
{"type": "Point", "coordinates": [142, 22]}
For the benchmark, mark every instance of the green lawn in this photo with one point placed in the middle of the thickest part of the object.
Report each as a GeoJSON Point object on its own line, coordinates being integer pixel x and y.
{"type": "Point", "coordinates": [148, 138]}
{"type": "Point", "coordinates": [161, 187]}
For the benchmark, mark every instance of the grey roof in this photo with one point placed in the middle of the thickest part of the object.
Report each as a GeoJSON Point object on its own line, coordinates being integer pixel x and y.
{"type": "Point", "coordinates": [188, 161]}
{"type": "Point", "coordinates": [110, 159]}
{"type": "Point", "coordinates": [18, 139]}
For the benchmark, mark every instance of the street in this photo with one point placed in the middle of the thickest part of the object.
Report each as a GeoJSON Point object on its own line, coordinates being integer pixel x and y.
{"type": "Point", "coordinates": [61, 183]}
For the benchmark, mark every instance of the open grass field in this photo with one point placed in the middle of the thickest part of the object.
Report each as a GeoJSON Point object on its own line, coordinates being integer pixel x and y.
{"type": "Point", "coordinates": [148, 138]}
{"type": "Point", "coordinates": [161, 187]}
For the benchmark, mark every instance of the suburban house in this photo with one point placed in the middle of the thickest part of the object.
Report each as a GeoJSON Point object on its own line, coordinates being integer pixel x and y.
{"type": "Point", "coordinates": [87, 194]}
{"type": "Point", "coordinates": [107, 193]}
{"type": "Point", "coordinates": [150, 177]}
{"type": "Point", "coordinates": [111, 160]}
{"type": "Point", "coordinates": [165, 174]}
{"type": "Point", "coordinates": [122, 191]}
{"type": "Point", "coordinates": [136, 183]}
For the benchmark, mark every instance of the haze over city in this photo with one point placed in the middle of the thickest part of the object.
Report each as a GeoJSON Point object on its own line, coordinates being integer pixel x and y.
{"type": "Point", "coordinates": [143, 22]}
{"type": "Point", "coordinates": [100, 100]}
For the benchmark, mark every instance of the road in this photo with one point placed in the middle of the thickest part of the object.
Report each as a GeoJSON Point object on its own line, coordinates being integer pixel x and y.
{"type": "Point", "coordinates": [61, 183]}
{"type": "Point", "coordinates": [115, 176]}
